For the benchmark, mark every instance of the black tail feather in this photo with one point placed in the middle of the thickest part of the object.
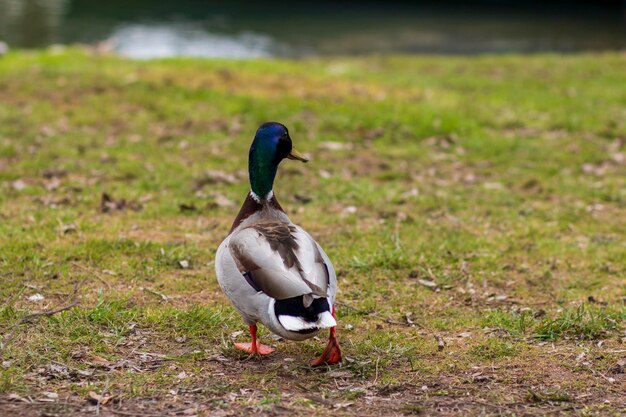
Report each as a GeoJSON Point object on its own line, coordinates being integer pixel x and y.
{"type": "Point", "coordinates": [295, 307]}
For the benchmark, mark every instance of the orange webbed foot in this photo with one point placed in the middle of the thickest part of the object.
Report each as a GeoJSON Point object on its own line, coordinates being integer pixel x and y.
{"type": "Point", "coordinates": [259, 349]}
{"type": "Point", "coordinates": [330, 356]}
{"type": "Point", "coordinates": [254, 348]}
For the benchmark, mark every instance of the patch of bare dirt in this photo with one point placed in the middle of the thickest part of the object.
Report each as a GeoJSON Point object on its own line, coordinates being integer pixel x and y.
{"type": "Point", "coordinates": [226, 384]}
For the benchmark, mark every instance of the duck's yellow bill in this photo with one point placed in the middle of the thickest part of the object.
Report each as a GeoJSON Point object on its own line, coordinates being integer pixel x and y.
{"type": "Point", "coordinates": [297, 156]}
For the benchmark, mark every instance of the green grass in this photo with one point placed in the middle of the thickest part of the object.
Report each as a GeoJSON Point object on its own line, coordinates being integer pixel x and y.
{"type": "Point", "coordinates": [500, 179]}
{"type": "Point", "coordinates": [494, 349]}
{"type": "Point", "coordinates": [580, 323]}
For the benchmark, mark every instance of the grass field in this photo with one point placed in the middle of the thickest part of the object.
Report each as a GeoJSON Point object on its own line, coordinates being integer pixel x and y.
{"type": "Point", "coordinates": [476, 201]}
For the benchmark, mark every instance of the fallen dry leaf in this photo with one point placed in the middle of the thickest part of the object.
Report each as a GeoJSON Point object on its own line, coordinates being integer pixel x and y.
{"type": "Point", "coordinates": [619, 368]}
{"type": "Point", "coordinates": [68, 228]}
{"type": "Point", "coordinates": [339, 374]}
{"type": "Point", "coordinates": [108, 204]}
{"type": "Point", "coordinates": [442, 142]}
{"type": "Point", "coordinates": [98, 360]}
{"type": "Point", "coordinates": [427, 283]}
{"type": "Point", "coordinates": [493, 186]}
{"type": "Point", "coordinates": [51, 395]}
{"type": "Point", "coordinates": [222, 201]}
{"type": "Point", "coordinates": [187, 207]}
{"type": "Point", "coordinates": [301, 198]}
{"type": "Point", "coordinates": [50, 173]}
{"type": "Point", "coordinates": [234, 335]}
{"type": "Point", "coordinates": [52, 184]}
{"type": "Point", "coordinates": [335, 146]}
{"type": "Point", "coordinates": [343, 404]}
{"type": "Point", "coordinates": [214, 177]}
{"type": "Point", "coordinates": [85, 372]}
{"type": "Point", "coordinates": [324, 174]}
{"type": "Point", "coordinates": [52, 201]}
{"type": "Point", "coordinates": [619, 157]}
{"type": "Point", "coordinates": [96, 398]}
{"type": "Point", "coordinates": [497, 297]}
{"type": "Point", "coordinates": [18, 185]}
{"type": "Point", "coordinates": [441, 344]}
{"type": "Point", "coordinates": [318, 399]}
{"type": "Point", "coordinates": [17, 398]}
{"type": "Point", "coordinates": [56, 371]}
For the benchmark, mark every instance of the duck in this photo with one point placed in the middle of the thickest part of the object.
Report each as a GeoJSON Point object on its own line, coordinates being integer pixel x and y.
{"type": "Point", "coordinates": [272, 270]}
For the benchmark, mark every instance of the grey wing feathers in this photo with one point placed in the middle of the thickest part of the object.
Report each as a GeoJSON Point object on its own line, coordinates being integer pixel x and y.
{"type": "Point", "coordinates": [280, 259]}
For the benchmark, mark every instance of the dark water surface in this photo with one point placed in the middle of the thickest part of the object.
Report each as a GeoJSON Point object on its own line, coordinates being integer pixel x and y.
{"type": "Point", "coordinates": [146, 29]}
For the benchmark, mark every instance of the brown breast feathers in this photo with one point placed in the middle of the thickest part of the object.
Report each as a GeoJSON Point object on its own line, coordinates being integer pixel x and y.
{"type": "Point", "coordinates": [251, 206]}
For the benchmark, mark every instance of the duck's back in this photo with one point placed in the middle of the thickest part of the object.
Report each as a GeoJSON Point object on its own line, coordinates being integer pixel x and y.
{"type": "Point", "coordinates": [280, 259]}
{"type": "Point", "coordinates": [274, 272]}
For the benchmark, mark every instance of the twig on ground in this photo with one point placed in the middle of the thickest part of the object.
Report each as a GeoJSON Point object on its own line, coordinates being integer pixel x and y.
{"type": "Point", "coordinates": [376, 315]}
{"type": "Point", "coordinates": [376, 377]}
{"type": "Point", "coordinates": [71, 302]}
{"type": "Point", "coordinates": [130, 413]}
{"type": "Point", "coordinates": [101, 396]}
{"type": "Point", "coordinates": [318, 399]}
{"type": "Point", "coordinates": [441, 344]}
{"type": "Point", "coordinates": [41, 404]}
{"type": "Point", "coordinates": [16, 297]}
{"type": "Point", "coordinates": [95, 274]}
{"type": "Point", "coordinates": [47, 313]}
{"type": "Point", "coordinates": [596, 373]}
{"type": "Point", "coordinates": [171, 413]}
{"type": "Point", "coordinates": [156, 355]}
{"type": "Point", "coordinates": [158, 294]}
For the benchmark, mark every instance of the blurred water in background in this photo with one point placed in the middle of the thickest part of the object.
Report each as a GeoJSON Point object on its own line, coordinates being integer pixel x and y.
{"type": "Point", "coordinates": [148, 29]}
{"type": "Point", "coordinates": [160, 40]}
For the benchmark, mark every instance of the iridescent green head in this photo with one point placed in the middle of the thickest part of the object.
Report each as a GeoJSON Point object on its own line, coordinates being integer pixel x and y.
{"type": "Point", "coordinates": [271, 145]}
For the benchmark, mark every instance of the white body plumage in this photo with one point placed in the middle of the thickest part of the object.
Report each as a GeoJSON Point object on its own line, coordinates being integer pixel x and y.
{"type": "Point", "coordinates": [310, 274]}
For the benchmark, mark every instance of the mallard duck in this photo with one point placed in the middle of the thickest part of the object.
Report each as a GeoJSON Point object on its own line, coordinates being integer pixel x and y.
{"type": "Point", "coordinates": [271, 269]}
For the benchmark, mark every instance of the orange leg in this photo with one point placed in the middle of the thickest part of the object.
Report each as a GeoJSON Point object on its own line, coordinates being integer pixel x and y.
{"type": "Point", "coordinates": [254, 348]}
{"type": "Point", "coordinates": [332, 353]}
